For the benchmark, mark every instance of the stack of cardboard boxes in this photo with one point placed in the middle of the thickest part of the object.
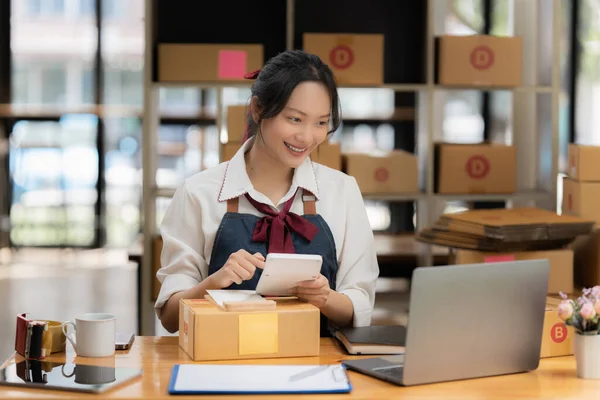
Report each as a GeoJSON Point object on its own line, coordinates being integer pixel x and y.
{"type": "Point", "coordinates": [524, 234]}
{"type": "Point", "coordinates": [581, 196]}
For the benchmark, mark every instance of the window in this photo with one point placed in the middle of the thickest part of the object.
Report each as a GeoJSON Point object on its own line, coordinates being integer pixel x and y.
{"type": "Point", "coordinates": [45, 7]}
{"type": "Point", "coordinates": [54, 169]}
{"type": "Point", "coordinates": [588, 76]}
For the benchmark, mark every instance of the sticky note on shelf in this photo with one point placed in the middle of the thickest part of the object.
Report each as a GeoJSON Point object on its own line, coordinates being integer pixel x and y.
{"type": "Point", "coordinates": [232, 64]}
{"type": "Point", "coordinates": [258, 334]}
{"type": "Point", "coordinates": [499, 258]}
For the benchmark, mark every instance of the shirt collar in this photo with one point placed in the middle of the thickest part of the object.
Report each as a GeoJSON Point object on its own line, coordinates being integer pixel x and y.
{"type": "Point", "coordinates": [237, 183]}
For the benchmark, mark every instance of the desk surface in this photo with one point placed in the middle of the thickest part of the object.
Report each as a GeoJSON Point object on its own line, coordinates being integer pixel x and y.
{"type": "Point", "coordinates": [555, 378]}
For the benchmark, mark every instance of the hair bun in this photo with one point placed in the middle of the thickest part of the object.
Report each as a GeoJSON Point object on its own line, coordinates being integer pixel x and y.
{"type": "Point", "coordinates": [252, 75]}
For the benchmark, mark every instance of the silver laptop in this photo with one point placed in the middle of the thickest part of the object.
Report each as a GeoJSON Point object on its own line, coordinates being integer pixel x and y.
{"type": "Point", "coordinates": [468, 321]}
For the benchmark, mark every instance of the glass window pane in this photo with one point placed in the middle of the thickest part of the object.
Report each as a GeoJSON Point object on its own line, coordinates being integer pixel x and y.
{"type": "Point", "coordinates": [54, 170]}
{"type": "Point", "coordinates": [123, 51]}
{"type": "Point", "coordinates": [123, 166]}
{"type": "Point", "coordinates": [51, 53]}
{"type": "Point", "coordinates": [588, 77]}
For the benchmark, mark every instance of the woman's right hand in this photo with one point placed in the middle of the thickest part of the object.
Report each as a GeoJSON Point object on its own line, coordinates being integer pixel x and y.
{"type": "Point", "coordinates": [240, 266]}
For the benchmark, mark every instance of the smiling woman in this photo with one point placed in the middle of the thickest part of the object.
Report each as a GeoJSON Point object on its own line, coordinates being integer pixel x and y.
{"type": "Point", "coordinates": [273, 199]}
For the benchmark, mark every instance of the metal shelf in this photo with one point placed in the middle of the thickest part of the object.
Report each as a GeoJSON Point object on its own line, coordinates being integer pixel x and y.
{"type": "Point", "coordinates": [392, 197]}
{"type": "Point", "coordinates": [519, 89]}
{"type": "Point", "coordinates": [533, 195]}
{"type": "Point", "coordinates": [397, 87]}
{"type": "Point", "coordinates": [528, 122]}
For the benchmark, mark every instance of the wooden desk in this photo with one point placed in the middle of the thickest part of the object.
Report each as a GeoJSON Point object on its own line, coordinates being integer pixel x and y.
{"type": "Point", "coordinates": [555, 378]}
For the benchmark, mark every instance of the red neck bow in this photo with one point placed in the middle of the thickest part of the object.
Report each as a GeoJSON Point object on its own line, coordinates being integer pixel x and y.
{"type": "Point", "coordinates": [276, 227]}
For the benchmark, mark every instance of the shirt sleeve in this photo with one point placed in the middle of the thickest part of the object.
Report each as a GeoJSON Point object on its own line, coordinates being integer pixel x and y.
{"type": "Point", "coordinates": [183, 240]}
{"type": "Point", "coordinates": [358, 269]}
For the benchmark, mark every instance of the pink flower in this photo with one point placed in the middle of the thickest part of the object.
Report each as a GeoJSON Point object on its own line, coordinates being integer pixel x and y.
{"type": "Point", "coordinates": [565, 310]}
{"type": "Point", "coordinates": [596, 291]}
{"type": "Point", "coordinates": [597, 306]}
{"type": "Point", "coordinates": [587, 310]}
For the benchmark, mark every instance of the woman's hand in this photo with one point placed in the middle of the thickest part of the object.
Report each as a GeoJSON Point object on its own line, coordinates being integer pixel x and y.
{"type": "Point", "coordinates": [240, 266]}
{"type": "Point", "coordinates": [315, 292]}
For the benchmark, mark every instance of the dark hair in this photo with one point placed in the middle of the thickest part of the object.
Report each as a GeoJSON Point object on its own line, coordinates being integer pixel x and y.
{"type": "Point", "coordinates": [278, 79]}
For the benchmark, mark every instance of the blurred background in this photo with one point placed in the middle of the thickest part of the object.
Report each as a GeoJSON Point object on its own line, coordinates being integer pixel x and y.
{"type": "Point", "coordinates": [71, 95]}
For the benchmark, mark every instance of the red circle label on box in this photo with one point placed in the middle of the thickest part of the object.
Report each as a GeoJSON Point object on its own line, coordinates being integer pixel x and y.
{"type": "Point", "coordinates": [341, 57]}
{"type": "Point", "coordinates": [559, 332]}
{"type": "Point", "coordinates": [482, 57]}
{"type": "Point", "coordinates": [478, 167]}
{"type": "Point", "coordinates": [381, 174]}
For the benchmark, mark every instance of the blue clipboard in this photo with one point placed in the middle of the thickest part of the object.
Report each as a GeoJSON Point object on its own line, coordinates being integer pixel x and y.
{"type": "Point", "coordinates": [258, 379]}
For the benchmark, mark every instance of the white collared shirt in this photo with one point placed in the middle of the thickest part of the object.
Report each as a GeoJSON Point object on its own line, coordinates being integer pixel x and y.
{"type": "Point", "coordinates": [191, 221]}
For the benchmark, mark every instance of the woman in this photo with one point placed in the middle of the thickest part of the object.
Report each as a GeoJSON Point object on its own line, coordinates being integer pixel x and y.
{"type": "Point", "coordinates": [223, 221]}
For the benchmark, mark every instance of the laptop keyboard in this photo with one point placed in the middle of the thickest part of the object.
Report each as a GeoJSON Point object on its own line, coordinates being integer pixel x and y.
{"type": "Point", "coordinates": [391, 371]}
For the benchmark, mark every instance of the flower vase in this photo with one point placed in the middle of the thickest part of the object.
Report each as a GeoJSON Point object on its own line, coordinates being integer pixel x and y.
{"type": "Point", "coordinates": [587, 355]}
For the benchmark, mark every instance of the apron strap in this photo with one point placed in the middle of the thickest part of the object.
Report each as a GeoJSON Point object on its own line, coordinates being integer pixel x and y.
{"type": "Point", "coordinates": [308, 199]}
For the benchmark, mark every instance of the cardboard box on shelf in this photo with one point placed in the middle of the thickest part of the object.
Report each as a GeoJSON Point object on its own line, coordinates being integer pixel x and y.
{"type": "Point", "coordinates": [355, 59]}
{"type": "Point", "coordinates": [581, 199]}
{"type": "Point", "coordinates": [557, 338]}
{"type": "Point", "coordinates": [207, 332]}
{"type": "Point", "coordinates": [386, 173]}
{"type": "Point", "coordinates": [236, 122]}
{"type": "Point", "coordinates": [229, 149]}
{"type": "Point", "coordinates": [478, 60]}
{"type": "Point", "coordinates": [561, 264]}
{"type": "Point", "coordinates": [475, 168]}
{"type": "Point", "coordinates": [328, 154]}
{"type": "Point", "coordinates": [587, 260]}
{"type": "Point", "coordinates": [583, 163]}
{"type": "Point", "coordinates": [192, 62]}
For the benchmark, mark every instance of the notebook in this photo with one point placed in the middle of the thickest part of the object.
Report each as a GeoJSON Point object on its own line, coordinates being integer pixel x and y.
{"type": "Point", "coordinates": [383, 339]}
{"type": "Point", "coordinates": [258, 379]}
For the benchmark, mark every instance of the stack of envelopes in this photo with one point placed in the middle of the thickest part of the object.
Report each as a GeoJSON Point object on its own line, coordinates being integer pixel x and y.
{"type": "Point", "coordinates": [519, 229]}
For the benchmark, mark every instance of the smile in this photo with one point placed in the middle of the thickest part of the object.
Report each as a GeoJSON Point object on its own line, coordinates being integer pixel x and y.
{"type": "Point", "coordinates": [295, 149]}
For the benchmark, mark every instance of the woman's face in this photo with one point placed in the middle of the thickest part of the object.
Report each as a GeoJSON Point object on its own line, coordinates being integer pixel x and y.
{"type": "Point", "coordinates": [300, 127]}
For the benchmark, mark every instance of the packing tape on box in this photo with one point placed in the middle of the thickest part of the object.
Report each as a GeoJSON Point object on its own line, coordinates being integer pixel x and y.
{"type": "Point", "coordinates": [344, 40]}
{"type": "Point", "coordinates": [258, 333]}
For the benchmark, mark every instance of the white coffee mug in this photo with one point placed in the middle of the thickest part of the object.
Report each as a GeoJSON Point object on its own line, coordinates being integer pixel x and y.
{"type": "Point", "coordinates": [94, 335]}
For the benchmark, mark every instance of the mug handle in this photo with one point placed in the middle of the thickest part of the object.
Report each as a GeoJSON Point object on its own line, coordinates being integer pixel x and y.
{"type": "Point", "coordinates": [62, 369]}
{"type": "Point", "coordinates": [70, 337]}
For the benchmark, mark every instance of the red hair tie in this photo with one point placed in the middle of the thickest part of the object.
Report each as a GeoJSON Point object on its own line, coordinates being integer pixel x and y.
{"type": "Point", "coordinates": [252, 75]}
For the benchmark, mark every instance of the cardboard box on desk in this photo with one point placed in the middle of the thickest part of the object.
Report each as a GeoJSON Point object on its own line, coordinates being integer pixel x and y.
{"type": "Point", "coordinates": [583, 163]}
{"type": "Point", "coordinates": [557, 337]}
{"type": "Point", "coordinates": [355, 59]}
{"type": "Point", "coordinates": [192, 62]}
{"type": "Point", "coordinates": [561, 264]}
{"type": "Point", "coordinates": [392, 172]}
{"type": "Point", "coordinates": [478, 60]}
{"type": "Point", "coordinates": [209, 333]}
{"type": "Point", "coordinates": [475, 168]}
{"type": "Point", "coordinates": [328, 154]}
{"type": "Point", "coordinates": [581, 199]}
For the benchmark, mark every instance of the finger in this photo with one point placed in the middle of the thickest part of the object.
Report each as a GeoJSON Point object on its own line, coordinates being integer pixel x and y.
{"type": "Point", "coordinates": [309, 291]}
{"type": "Point", "coordinates": [255, 260]}
{"type": "Point", "coordinates": [244, 269]}
{"type": "Point", "coordinates": [234, 276]}
{"type": "Point", "coordinates": [259, 256]}
{"type": "Point", "coordinates": [314, 283]}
